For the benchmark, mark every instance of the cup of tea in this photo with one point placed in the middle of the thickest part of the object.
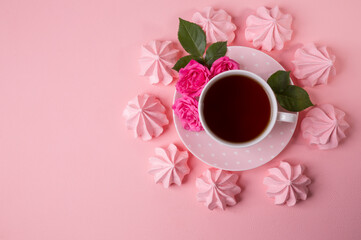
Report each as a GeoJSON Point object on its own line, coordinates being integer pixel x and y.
{"type": "Point", "coordinates": [238, 108]}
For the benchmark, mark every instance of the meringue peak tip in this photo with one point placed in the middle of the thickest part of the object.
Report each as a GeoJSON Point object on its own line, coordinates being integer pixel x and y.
{"type": "Point", "coordinates": [145, 116]}
{"type": "Point", "coordinates": [211, 21]}
{"type": "Point", "coordinates": [319, 128]}
{"type": "Point", "coordinates": [261, 31]}
{"type": "Point", "coordinates": [169, 165]}
{"type": "Point", "coordinates": [287, 183]}
{"type": "Point", "coordinates": [314, 64]}
{"type": "Point", "coordinates": [217, 188]}
{"type": "Point", "coordinates": [156, 61]}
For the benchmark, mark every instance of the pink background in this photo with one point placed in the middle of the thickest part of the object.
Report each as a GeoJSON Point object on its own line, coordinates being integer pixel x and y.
{"type": "Point", "coordinates": [70, 170]}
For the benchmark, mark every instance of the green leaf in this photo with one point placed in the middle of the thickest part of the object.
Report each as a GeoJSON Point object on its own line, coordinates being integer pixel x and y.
{"type": "Point", "coordinates": [279, 81]}
{"type": "Point", "coordinates": [294, 98]}
{"type": "Point", "coordinates": [215, 51]}
{"type": "Point", "coordinates": [192, 38]}
{"type": "Point", "coordinates": [182, 62]}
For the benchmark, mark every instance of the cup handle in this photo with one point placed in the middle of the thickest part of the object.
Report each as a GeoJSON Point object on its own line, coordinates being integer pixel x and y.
{"type": "Point", "coordinates": [286, 117]}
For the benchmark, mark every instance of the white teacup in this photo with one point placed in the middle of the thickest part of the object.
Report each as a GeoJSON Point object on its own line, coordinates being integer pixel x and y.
{"type": "Point", "coordinates": [275, 114]}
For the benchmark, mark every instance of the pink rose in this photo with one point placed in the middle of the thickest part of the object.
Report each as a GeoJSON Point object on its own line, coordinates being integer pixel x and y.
{"type": "Point", "coordinates": [186, 108]}
{"type": "Point", "coordinates": [192, 79]}
{"type": "Point", "coordinates": [223, 64]}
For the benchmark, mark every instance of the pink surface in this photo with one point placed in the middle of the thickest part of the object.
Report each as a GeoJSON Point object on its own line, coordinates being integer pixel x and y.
{"type": "Point", "coordinates": [69, 168]}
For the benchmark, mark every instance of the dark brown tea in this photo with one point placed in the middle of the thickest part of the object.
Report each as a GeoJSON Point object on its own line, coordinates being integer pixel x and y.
{"type": "Point", "coordinates": [236, 109]}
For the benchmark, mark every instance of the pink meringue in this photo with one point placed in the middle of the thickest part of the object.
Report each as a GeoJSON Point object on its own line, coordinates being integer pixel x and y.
{"type": "Point", "coordinates": [146, 116]}
{"type": "Point", "coordinates": [287, 184]}
{"type": "Point", "coordinates": [313, 65]}
{"type": "Point", "coordinates": [169, 166]}
{"type": "Point", "coordinates": [269, 28]}
{"type": "Point", "coordinates": [216, 24]}
{"type": "Point", "coordinates": [217, 188]}
{"type": "Point", "coordinates": [157, 60]}
{"type": "Point", "coordinates": [324, 126]}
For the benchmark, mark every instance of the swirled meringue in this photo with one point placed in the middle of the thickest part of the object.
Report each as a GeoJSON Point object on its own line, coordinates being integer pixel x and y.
{"type": "Point", "coordinates": [287, 184]}
{"type": "Point", "coordinates": [313, 65]}
{"type": "Point", "coordinates": [324, 126]}
{"type": "Point", "coordinates": [217, 24]}
{"type": "Point", "coordinates": [156, 61]}
{"type": "Point", "coordinates": [217, 188]}
{"type": "Point", "coordinates": [169, 165]}
{"type": "Point", "coordinates": [269, 28]}
{"type": "Point", "coordinates": [145, 115]}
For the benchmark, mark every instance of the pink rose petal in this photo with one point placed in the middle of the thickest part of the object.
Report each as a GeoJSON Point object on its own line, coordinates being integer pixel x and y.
{"type": "Point", "coordinates": [186, 108]}
{"type": "Point", "coordinates": [192, 79]}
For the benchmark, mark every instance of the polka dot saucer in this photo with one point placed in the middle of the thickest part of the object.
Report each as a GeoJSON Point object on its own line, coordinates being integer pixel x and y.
{"type": "Point", "coordinates": [239, 159]}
